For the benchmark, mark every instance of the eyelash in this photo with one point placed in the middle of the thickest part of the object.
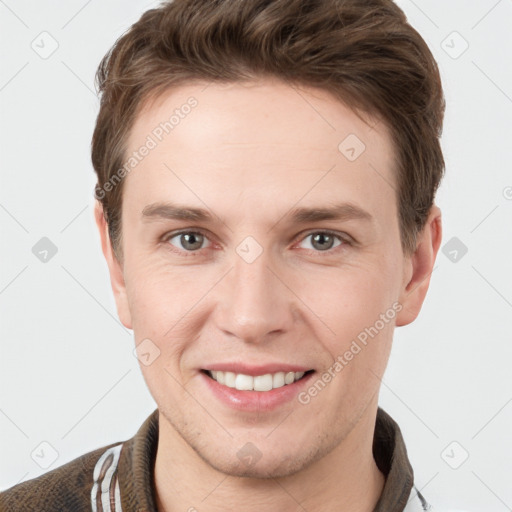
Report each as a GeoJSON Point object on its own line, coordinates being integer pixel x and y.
{"type": "Point", "coordinates": [345, 240]}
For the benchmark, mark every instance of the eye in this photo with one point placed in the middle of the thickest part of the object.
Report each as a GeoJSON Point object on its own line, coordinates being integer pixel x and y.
{"type": "Point", "coordinates": [323, 241]}
{"type": "Point", "coordinates": [194, 241]}
{"type": "Point", "coordinates": [189, 241]}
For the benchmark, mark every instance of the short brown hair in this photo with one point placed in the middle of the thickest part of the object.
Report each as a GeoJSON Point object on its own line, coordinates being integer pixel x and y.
{"type": "Point", "coordinates": [362, 51]}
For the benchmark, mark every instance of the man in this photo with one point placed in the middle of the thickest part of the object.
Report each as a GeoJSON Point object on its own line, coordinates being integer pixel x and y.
{"type": "Point", "coordinates": [265, 201]}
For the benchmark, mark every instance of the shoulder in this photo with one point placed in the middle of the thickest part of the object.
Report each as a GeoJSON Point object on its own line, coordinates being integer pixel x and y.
{"type": "Point", "coordinates": [67, 487]}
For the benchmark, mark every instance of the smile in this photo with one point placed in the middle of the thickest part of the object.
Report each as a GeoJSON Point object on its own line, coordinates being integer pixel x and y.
{"type": "Point", "coordinates": [265, 382]}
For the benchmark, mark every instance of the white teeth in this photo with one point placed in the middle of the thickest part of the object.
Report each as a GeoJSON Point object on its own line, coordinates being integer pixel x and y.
{"type": "Point", "coordinates": [277, 380]}
{"type": "Point", "coordinates": [289, 378]}
{"type": "Point", "coordinates": [229, 379]}
{"type": "Point", "coordinates": [259, 383]}
{"type": "Point", "coordinates": [244, 382]}
{"type": "Point", "coordinates": [263, 382]}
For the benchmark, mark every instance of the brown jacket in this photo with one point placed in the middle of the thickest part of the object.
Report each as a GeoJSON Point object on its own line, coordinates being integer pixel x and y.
{"type": "Point", "coordinates": [119, 477]}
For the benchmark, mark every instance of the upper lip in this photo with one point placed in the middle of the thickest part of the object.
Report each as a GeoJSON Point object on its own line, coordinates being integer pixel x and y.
{"type": "Point", "coordinates": [259, 369]}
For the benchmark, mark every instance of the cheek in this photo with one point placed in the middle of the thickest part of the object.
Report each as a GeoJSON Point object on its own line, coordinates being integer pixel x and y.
{"type": "Point", "coordinates": [167, 308]}
{"type": "Point", "coordinates": [359, 307]}
{"type": "Point", "coordinates": [159, 321]}
{"type": "Point", "coordinates": [349, 299]}
{"type": "Point", "coordinates": [158, 296]}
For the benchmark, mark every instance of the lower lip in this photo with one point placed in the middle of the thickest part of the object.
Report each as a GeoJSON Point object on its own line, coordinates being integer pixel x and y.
{"type": "Point", "coordinates": [255, 401]}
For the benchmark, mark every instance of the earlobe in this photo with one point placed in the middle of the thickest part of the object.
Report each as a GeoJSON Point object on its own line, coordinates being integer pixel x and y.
{"type": "Point", "coordinates": [114, 266]}
{"type": "Point", "coordinates": [419, 268]}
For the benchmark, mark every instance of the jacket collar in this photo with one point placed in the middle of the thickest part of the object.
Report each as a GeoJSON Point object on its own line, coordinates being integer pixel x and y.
{"type": "Point", "coordinates": [137, 459]}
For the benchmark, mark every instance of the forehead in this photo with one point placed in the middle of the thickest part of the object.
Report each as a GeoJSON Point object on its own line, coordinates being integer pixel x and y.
{"type": "Point", "coordinates": [263, 141]}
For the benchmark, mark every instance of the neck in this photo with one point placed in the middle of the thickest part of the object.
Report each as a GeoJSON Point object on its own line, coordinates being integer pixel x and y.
{"type": "Point", "coordinates": [346, 479]}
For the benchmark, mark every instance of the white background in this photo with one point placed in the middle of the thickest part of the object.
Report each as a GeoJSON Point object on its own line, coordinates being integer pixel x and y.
{"type": "Point", "coordinates": [68, 375]}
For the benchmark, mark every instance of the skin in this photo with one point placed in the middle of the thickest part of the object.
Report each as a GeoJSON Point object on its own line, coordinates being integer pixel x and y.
{"type": "Point", "coordinates": [250, 153]}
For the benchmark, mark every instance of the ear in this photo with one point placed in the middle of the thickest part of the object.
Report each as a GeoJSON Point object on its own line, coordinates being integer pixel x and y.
{"type": "Point", "coordinates": [418, 268]}
{"type": "Point", "coordinates": [115, 268]}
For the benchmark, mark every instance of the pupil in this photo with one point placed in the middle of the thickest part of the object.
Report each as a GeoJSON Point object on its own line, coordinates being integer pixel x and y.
{"type": "Point", "coordinates": [189, 239]}
{"type": "Point", "coordinates": [322, 237]}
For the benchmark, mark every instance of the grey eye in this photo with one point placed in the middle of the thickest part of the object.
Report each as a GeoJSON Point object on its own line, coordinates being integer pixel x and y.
{"type": "Point", "coordinates": [322, 241]}
{"type": "Point", "coordinates": [189, 241]}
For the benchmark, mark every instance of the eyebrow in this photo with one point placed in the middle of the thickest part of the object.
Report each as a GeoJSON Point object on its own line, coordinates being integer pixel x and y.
{"type": "Point", "coordinates": [340, 212]}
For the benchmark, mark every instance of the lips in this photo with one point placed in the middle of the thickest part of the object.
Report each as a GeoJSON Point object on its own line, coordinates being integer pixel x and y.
{"type": "Point", "coordinates": [254, 390]}
{"type": "Point", "coordinates": [255, 387]}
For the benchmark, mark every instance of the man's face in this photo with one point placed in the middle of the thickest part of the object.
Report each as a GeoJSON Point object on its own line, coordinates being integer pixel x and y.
{"type": "Point", "coordinates": [253, 288]}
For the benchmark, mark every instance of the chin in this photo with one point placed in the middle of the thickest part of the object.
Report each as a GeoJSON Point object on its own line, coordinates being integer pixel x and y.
{"type": "Point", "coordinates": [261, 470]}
{"type": "Point", "coordinates": [249, 462]}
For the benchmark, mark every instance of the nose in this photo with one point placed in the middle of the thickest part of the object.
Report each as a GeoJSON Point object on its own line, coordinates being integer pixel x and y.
{"type": "Point", "coordinates": [254, 303]}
